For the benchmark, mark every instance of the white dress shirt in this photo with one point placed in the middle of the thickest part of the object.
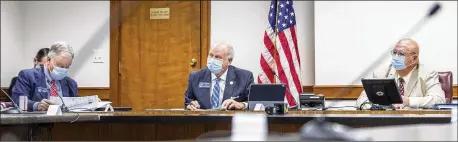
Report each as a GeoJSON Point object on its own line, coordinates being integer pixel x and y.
{"type": "Point", "coordinates": [222, 85]}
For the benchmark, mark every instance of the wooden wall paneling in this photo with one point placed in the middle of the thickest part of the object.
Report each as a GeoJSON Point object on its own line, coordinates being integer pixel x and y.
{"type": "Point", "coordinates": [350, 92]}
{"type": "Point", "coordinates": [307, 89]}
{"type": "Point", "coordinates": [146, 132]}
{"type": "Point", "coordinates": [129, 57]}
{"type": "Point", "coordinates": [102, 92]}
{"type": "Point", "coordinates": [115, 27]}
{"type": "Point", "coordinates": [455, 92]}
{"type": "Point", "coordinates": [205, 31]}
{"type": "Point", "coordinates": [106, 93]}
{"type": "Point", "coordinates": [339, 91]}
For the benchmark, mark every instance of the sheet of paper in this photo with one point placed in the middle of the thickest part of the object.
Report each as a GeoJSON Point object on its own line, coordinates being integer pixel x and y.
{"type": "Point", "coordinates": [54, 110]}
{"type": "Point", "coordinates": [75, 101]}
{"type": "Point", "coordinates": [87, 103]}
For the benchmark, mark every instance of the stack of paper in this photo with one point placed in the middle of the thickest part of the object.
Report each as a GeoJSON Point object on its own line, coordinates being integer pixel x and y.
{"type": "Point", "coordinates": [88, 103]}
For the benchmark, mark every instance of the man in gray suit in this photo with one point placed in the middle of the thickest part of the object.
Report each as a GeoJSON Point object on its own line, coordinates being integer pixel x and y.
{"type": "Point", "coordinates": [220, 85]}
{"type": "Point", "coordinates": [418, 85]}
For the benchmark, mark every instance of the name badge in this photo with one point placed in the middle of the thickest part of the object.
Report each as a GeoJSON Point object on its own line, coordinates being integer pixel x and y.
{"type": "Point", "coordinates": [204, 85]}
{"type": "Point", "coordinates": [42, 90]}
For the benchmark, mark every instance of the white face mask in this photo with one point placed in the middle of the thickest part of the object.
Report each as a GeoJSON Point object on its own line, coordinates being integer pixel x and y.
{"type": "Point", "coordinates": [214, 65]}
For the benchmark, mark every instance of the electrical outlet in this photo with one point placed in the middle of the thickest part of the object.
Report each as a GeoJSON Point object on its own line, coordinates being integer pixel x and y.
{"type": "Point", "coordinates": [97, 58]}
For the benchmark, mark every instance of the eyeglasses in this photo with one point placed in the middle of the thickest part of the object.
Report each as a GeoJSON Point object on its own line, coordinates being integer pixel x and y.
{"type": "Point", "coordinates": [398, 53]}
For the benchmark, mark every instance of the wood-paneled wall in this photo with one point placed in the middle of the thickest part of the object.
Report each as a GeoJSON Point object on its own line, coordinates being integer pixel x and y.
{"type": "Point", "coordinates": [349, 92]}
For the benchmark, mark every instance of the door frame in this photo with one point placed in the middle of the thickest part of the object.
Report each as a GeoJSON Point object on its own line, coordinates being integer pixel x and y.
{"type": "Point", "coordinates": [115, 42]}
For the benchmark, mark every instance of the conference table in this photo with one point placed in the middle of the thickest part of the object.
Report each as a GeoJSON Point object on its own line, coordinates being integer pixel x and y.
{"type": "Point", "coordinates": [175, 124]}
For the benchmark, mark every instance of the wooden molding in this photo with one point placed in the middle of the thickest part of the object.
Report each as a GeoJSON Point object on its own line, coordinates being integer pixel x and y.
{"type": "Point", "coordinates": [350, 92]}
{"type": "Point", "coordinates": [455, 91]}
{"type": "Point", "coordinates": [205, 31]}
{"type": "Point", "coordinates": [115, 30]}
{"type": "Point", "coordinates": [307, 89]}
{"type": "Point", "coordinates": [102, 92]}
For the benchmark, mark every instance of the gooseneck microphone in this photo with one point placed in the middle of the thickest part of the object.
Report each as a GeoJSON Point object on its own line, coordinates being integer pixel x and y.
{"type": "Point", "coordinates": [434, 9]}
{"type": "Point", "coordinates": [287, 89]}
{"type": "Point", "coordinates": [320, 129]}
{"type": "Point", "coordinates": [64, 107]}
{"type": "Point", "coordinates": [15, 109]}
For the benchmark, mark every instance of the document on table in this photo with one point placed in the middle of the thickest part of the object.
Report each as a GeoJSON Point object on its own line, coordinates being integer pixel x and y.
{"type": "Point", "coordinates": [87, 103]}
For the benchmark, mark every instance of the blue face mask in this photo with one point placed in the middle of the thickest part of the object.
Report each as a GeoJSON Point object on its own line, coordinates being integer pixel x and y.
{"type": "Point", "coordinates": [59, 73]}
{"type": "Point", "coordinates": [214, 65]}
{"type": "Point", "coordinates": [398, 62]}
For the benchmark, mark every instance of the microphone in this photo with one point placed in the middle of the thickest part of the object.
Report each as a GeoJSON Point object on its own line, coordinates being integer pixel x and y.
{"type": "Point", "coordinates": [64, 107]}
{"type": "Point", "coordinates": [434, 9]}
{"type": "Point", "coordinates": [15, 109]}
{"type": "Point", "coordinates": [319, 128]}
{"type": "Point", "coordinates": [287, 89]}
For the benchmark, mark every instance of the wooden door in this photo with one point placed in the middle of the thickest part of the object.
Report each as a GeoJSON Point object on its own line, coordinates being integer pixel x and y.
{"type": "Point", "coordinates": [154, 55]}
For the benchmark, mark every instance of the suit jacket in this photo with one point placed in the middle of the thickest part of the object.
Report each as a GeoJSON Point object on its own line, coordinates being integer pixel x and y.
{"type": "Point", "coordinates": [241, 80]}
{"type": "Point", "coordinates": [423, 88]}
{"type": "Point", "coordinates": [32, 83]}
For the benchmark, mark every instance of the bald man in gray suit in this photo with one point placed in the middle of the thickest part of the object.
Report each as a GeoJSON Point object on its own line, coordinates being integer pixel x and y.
{"type": "Point", "coordinates": [418, 85]}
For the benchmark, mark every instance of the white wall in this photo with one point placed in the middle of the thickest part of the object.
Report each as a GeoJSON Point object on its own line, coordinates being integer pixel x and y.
{"type": "Point", "coordinates": [242, 23]}
{"type": "Point", "coordinates": [12, 45]}
{"type": "Point", "coordinates": [349, 36]}
{"type": "Point", "coordinates": [336, 39]}
{"type": "Point", "coordinates": [82, 24]}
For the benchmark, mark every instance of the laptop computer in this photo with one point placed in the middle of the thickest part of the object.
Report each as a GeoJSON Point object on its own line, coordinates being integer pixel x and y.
{"type": "Point", "coordinates": [382, 91]}
{"type": "Point", "coordinates": [266, 94]}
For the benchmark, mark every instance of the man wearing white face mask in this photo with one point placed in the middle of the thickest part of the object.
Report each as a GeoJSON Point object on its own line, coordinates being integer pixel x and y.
{"type": "Point", "coordinates": [220, 85]}
{"type": "Point", "coordinates": [39, 84]}
{"type": "Point", "coordinates": [418, 86]}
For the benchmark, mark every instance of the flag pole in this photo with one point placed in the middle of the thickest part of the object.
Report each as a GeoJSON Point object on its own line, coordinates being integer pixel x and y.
{"type": "Point", "coordinates": [275, 40]}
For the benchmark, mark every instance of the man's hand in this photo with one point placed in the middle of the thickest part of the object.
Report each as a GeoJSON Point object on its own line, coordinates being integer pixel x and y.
{"type": "Point", "coordinates": [2, 106]}
{"type": "Point", "coordinates": [193, 105]}
{"type": "Point", "coordinates": [232, 104]}
{"type": "Point", "coordinates": [44, 104]}
{"type": "Point", "coordinates": [405, 102]}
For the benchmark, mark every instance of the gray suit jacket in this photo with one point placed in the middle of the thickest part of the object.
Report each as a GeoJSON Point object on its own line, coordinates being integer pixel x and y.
{"type": "Point", "coordinates": [423, 88]}
{"type": "Point", "coordinates": [239, 88]}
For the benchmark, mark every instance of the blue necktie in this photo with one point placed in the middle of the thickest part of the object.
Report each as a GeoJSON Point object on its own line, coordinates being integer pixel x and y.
{"type": "Point", "coordinates": [215, 94]}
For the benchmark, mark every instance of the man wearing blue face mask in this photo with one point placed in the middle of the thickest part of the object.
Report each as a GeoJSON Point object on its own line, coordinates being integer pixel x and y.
{"type": "Point", "coordinates": [419, 86]}
{"type": "Point", "coordinates": [220, 85]}
{"type": "Point", "coordinates": [39, 84]}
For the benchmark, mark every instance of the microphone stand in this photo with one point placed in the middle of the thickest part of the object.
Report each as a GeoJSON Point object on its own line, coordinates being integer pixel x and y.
{"type": "Point", "coordinates": [14, 110]}
{"type": "Point", "coordinates": [64, 107]}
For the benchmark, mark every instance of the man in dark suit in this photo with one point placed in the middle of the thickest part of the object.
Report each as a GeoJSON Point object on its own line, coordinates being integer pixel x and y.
{"type": "Point", "coordinates": [219, 85]}
{"type": "Point", "coordinates": [39, 84]}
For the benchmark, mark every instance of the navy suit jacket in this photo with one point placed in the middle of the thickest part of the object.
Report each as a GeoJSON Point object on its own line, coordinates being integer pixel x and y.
{"type": "Point", "coordinates": [239, 89]}
{"type": "Point", "coordinates": [32, 82]}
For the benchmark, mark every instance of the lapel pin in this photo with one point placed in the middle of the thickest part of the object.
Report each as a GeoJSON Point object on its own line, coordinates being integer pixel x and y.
{"type": "Point", "coordinates": [232, 82]}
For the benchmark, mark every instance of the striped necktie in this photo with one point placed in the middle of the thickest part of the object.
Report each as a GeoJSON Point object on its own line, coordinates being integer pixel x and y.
{"type": "Point", "coordinates": [215, 94]}
{"type": "Point", "coordinates": [53, 89]}
{"type": "Point", "coordinates": [401, 86]}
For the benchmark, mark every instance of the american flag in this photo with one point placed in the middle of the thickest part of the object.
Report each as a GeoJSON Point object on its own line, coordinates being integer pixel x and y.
{"type": "Point", "coordinates": [284, 57]}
